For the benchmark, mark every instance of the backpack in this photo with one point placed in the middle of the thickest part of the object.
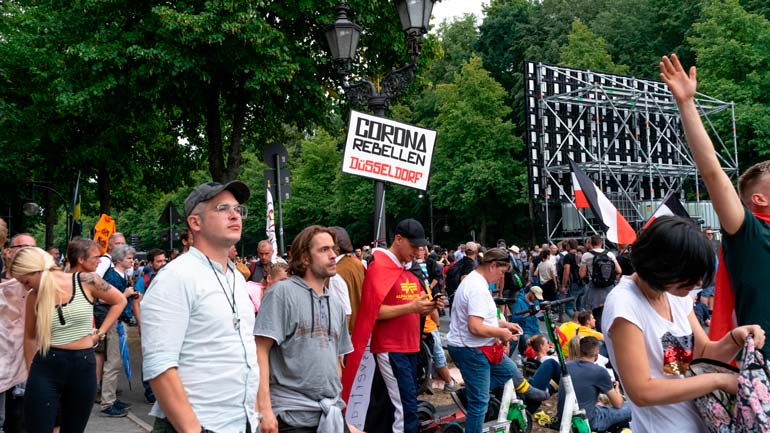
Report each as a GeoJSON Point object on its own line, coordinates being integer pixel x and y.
{"type": "Point", "coordinates": [752, 402]}
{"type": "Point", "coordinates": [453, 278]}
{"type": "Point", "coordinates": [749, 410]}
{"type": "Point", "coordinates": [603, 270]}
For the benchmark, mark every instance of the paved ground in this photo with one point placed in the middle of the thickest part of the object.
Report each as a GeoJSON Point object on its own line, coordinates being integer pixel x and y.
{"type": "Point", "coordinates": [138, 420]}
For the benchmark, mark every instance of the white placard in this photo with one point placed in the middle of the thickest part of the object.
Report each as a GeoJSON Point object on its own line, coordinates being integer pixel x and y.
{"type": "Point", "coordinates": [361, 393]}
{"type": "Point", "coordinates": [387, 150]}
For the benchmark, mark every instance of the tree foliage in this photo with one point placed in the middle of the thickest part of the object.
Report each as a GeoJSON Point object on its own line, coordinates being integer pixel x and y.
{"type": "Point", "coordinates": [586, 50]}
{"type": "Point", "coordinates": [474, 168]}
{"type": "Point", "coordinates": [145, 99]}
{"type": "Point", "coordinates": [733, 50]}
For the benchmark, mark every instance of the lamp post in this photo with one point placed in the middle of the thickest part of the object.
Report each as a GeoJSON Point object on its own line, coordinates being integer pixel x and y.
{"type": "Point", "coordinates": [430, 216]}
{"type": "Point", "coordinates": [32, 208]}
{"type": "Point", "coordinates": [343, 36]}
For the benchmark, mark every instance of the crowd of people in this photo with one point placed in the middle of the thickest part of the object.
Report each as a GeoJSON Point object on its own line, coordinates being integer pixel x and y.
{"type": "Point", "coordinates": [328, 339]}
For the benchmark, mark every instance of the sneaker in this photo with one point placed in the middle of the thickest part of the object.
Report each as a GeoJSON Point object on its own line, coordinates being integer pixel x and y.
{"type": "Point", "coordinates": [122, 405]}
{"type": "Point", "coordinates": [451, 386]}
{"type": "Point", "coordinates": [114, 412]}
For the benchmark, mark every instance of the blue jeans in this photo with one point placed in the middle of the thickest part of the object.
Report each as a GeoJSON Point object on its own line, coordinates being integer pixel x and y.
{"type": "Point", "coordinates": [605, 417]}
{"type": "Point", "coordinates": [65, 378]}
{"type": "Point", "coordinates": [574, 290]}
{"type": "Point", "coordinates": [549, 370]}
{"type": "Point", "coordinates": [439, 358]}
{"type": "Point", "coordinates": [480, 376]}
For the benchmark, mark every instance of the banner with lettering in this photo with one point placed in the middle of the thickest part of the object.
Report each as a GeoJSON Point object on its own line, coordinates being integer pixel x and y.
{"type": "Point", "coordinates": [387, 150]}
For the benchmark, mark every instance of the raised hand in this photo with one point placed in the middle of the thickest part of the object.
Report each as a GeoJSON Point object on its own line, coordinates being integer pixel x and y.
{"type": "Point", "coordinates": [681, 84]}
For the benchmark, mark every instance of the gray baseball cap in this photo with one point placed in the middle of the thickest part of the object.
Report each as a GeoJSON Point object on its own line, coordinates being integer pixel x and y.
{"type": "Point", "coordinates": [208, 190]}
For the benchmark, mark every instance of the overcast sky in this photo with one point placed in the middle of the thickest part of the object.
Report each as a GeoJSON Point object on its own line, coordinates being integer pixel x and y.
{"type": "Point", "coordinates": [448, 9]}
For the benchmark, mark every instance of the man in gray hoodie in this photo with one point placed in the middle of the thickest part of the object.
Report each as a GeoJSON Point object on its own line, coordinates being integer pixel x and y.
{"type": "Point", "coordinates": [301, 335]}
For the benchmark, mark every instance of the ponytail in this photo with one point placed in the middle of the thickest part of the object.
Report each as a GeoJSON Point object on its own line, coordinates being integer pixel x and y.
{"type": "Point", "coordinates": [30, 260]}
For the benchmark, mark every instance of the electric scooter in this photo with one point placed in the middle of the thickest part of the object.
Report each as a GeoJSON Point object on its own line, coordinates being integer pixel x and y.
{"type": "Point", "coordinates": [573, 418]}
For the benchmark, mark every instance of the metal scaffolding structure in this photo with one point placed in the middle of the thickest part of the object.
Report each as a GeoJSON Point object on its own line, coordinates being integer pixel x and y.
{"type": "Point", "coordinates": [625, 133]}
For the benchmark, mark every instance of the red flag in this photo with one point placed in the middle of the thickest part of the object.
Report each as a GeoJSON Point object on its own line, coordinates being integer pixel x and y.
{"type": "Point", "coordinates": [614, 225]}
{"type": "Point", "coordinates": [669, 206]}
{"type": "Point", "coordinates": [723, 320]}
{"type": "Point", "coordinates": [357, 376]}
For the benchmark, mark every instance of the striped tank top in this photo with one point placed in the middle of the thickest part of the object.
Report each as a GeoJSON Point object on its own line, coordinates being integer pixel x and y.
{"type": "Point", "coordinates": [73, 320]}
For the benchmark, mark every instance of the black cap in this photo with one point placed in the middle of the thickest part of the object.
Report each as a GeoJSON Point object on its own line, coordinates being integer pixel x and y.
{"type": "Point", "coordinates": [412, 230]}
{"type": "Point", "coordinates": [501, 241]}
{"type": "Point", "coordinates": [208, 190]}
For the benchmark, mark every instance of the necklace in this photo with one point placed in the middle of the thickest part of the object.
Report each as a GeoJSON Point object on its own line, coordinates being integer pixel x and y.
{"type": "Point", "coordinates": [236, 319]}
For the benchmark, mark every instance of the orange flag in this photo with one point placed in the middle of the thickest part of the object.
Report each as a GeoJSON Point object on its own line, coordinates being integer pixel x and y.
{"type": "Point", "coordinates": [103, 230]}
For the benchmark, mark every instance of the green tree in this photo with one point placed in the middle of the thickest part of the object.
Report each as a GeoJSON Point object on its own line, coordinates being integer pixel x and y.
{"type": "Point", "coordinates": [457, 40]}
{"type": "Point", "coordinates": [733, 51]}
{"type": "Point", "coordinates": [586, 50]}
{"type": "Point", "coordinates": [638, 32]}
{"type": "Point", "coordinates": [475, 173]}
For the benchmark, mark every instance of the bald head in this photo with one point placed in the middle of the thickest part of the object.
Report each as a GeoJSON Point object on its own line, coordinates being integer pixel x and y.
{"type": "Point", "coordinates": [265, 252]}
{"type": "Point", "coordinates": [21, 240]}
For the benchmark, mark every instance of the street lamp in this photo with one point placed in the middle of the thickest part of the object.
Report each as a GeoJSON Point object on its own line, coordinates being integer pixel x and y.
{"type": "Point", "coordinates": [32, 208]}
{"type": "Point", "coordinates": [421, 195]}
{"type": "Point", "coordinates": [343, 36]}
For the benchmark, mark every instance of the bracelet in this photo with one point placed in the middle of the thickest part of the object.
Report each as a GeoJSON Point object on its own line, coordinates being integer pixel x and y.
{"type": "Point", "coordinates": [734, 340]}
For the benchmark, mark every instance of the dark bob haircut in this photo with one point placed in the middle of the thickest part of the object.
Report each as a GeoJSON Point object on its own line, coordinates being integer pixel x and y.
{"type": "Point", "coordinates": [672, 250]}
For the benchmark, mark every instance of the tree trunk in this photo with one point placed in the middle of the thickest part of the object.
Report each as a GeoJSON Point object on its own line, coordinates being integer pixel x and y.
{"type": "Point", "coordinates": [214, 132]}
{"type": "Point", "coordinates": [50, 218]}
{"type": "Point", "coordinates": [103, 190]}
{"type": "Point", "coordinates": [483, 233]}
{"type": "Point", "coordinates": [239, 119]}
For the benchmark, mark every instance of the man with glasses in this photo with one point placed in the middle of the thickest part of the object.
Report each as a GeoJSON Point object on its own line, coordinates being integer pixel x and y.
{"type": "Point", "coordinates": [392, 302]}
{"type": "Point", "coordinates": [199, 355]}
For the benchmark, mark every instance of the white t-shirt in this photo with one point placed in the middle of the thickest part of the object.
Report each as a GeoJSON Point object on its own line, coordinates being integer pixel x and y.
{"type": "Point", "coordinates": [627, 301]}
{"type": "Point", "coordinates": [339, 288]}
{"type": "Point", "coordinates": [545, 269]}
{"type": "Point", "coordinates": [472, 298]}
{"type": "Point", "coordinates": [105, 262]}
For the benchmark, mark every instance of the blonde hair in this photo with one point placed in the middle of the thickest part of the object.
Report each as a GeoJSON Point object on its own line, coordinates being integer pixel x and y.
{"type": "Point", "coordinates": [29, 260]}
{"type": "Point", "coordinates": [574, 347]}
{"type": "Point", "coordinates": [3, 232]}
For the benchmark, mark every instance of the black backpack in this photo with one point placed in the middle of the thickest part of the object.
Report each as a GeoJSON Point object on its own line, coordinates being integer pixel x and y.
{"type": "Point", "coordinates": [603, 270]}
{"type": "Point", "coordinates": [453, 278]}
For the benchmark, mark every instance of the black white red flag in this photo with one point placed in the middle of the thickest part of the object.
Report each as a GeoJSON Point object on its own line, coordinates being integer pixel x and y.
{"type": "Point", "coordinates": [671, 207]}
{"type": "Point", "coordinates": [589, 196]}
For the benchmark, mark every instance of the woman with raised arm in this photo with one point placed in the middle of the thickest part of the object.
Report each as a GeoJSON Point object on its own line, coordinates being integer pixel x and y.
{"type": "Point", "coordinates": [652, 333]}
{"type": "Point", "coordinates": [59, 339]}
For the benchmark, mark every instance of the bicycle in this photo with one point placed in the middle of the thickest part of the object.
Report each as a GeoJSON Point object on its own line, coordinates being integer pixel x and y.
{"type": "Point", "coordinates": [573, 418]}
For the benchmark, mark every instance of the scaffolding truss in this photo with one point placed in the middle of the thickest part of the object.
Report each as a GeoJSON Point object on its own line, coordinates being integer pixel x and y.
{"type": "Point", "coordinates": [625, 133]}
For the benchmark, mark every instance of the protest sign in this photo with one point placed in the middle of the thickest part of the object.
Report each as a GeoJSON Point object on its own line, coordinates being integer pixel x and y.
{"type": "Point", "coordinates": [387, 150]}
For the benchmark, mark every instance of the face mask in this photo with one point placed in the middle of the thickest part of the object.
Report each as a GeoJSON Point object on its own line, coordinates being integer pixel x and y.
{"type": "Point", "coordinates": [492, 287]}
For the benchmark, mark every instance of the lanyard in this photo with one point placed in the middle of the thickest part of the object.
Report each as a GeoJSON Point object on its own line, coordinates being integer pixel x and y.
{"type": "Point", "coordinates": [236, 319]}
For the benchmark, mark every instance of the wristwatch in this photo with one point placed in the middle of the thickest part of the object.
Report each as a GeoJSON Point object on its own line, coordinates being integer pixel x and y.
{"type": "Point", "coordinates": [101, 335]}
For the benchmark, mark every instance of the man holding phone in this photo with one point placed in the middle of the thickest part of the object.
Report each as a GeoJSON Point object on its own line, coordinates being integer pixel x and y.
{"type": "Point", "coordinates": [393, 299]}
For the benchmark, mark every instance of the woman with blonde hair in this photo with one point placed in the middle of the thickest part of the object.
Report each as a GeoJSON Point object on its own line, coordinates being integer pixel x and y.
{"type": "Point", "coordinates": [59, 339]}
